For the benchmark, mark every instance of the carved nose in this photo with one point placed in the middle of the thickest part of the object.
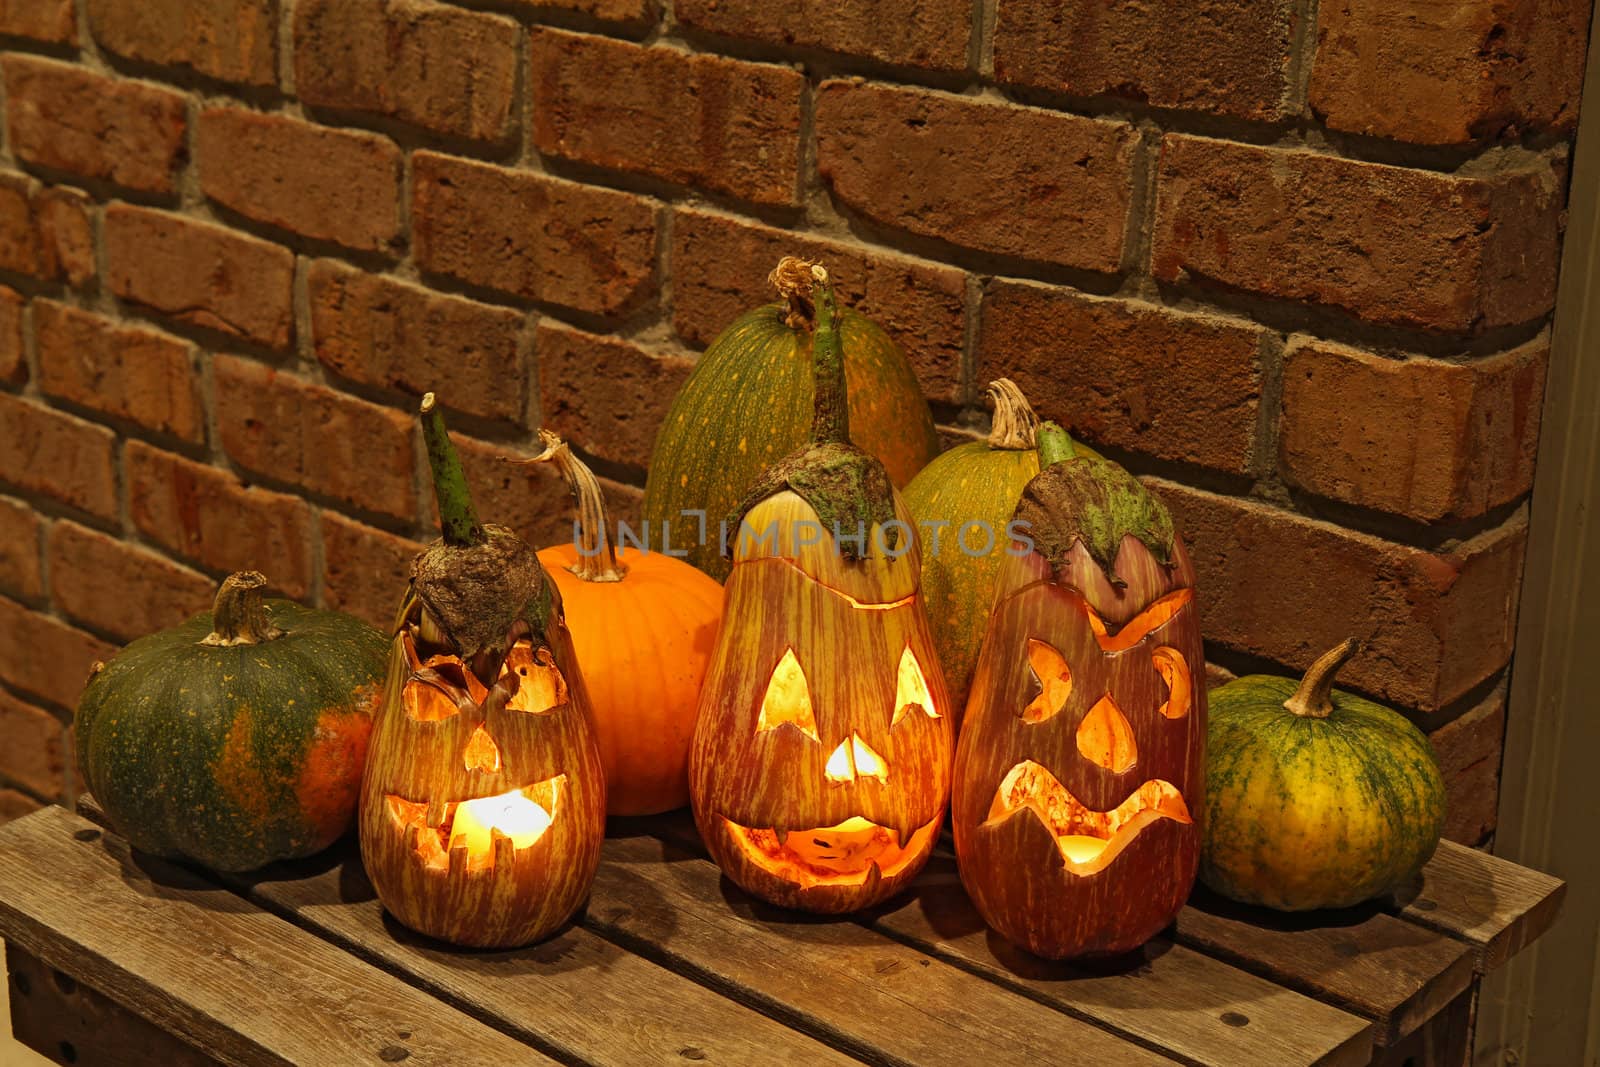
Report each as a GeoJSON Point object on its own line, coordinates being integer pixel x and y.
{"type": "Point", "coordinates": [482, 754]}
{"type": "Point", "coordinates": [1106, 738]}
{"type": "Point", "coordinates": [854, 759]}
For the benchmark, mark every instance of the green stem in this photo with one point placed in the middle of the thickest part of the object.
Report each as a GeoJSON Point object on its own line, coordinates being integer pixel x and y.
{"type": "Point", "coordinates": [457, 519]}
{"type": "Point", "coordinates": [239, 615]}
{"type": "Point", "coordinates": [1055, 445]}
{"type": "Point", "coordinates": [1314, 698]}
{"type": "Point", "coordinates": [831, 415]}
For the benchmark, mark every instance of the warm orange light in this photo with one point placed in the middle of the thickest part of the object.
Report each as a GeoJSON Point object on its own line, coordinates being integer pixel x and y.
{"type": "Point", "coordinates": [788, 699]}
{"type": "Point", "coordinates": [1105, 737]}
{"type": "Point", "coordinates": [1175, 669]}
{"type": "Point", "coordinates": [1053, 678]}
{"type": "Point", "coordinates": [482, 754]}
{"type": "Point", "coordinates": [834, 855]}
{"type": "Point", "coordinates": [855, 759]}
{"type": "Point", "coordinates": [1081, 849]}
{"type": "Point", "coordinates": [1088, 839]}
{"type": "Point", "coordinates": [540, 687]}
{"type": "Point", "coordinates": [911, 689]}
{"type": "Point", "coordinates": [512, 814]}
{"type": "Point", "coordinates": [1141, 625]}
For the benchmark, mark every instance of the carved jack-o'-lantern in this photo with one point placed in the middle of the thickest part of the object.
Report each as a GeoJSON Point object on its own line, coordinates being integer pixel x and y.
{"type": "Point", "coordinates": [1079, 775]}
{"type": "Point", "coordinates": [483, 802]}
{"type": "Point", "coordinates": [821, 759]}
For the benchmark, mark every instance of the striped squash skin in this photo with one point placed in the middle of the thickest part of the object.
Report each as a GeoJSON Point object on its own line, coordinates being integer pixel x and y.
{"type": "Point", "coordinates": [1310, 813]}
{"type": "Point", "coordinates": [748, 404]}
{"type": "Point", "coordinates": [234, 756]}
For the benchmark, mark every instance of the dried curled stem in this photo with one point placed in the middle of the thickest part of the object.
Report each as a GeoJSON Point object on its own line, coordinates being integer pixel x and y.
{"type": "Point", "coordinates": [597, 556]}
{"type": "Point", "coordinates": [1015, 425]}
{"type": "Point", "coordinates": [793, 279]}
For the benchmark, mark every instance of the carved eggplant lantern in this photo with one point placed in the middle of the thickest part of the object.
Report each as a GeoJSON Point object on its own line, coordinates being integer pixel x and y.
{"type": "Point", "coordinates": [483, 804]}
{"type": "Point", "coordinates": [820, 766]}
{"type": "Point", "coordinates": [1080, 772]}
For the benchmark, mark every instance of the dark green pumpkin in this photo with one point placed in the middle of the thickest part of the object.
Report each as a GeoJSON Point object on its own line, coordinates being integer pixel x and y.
{"type": "Point", "coordinates": [1317, 798]}
{"type": "Point", "coordinates": [237, 738]}
{"type": "Point", "coordinates": [748, 404]}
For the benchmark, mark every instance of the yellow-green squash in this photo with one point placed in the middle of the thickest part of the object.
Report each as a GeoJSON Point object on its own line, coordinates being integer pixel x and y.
{"type": "Point", "coordinates": [1318, 798]}
{"type": "Point", "coordinates": [748, 404]}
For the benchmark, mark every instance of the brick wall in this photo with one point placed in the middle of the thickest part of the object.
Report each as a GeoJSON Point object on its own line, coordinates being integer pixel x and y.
{"type": "Point", "coordinates": [1294, 261]}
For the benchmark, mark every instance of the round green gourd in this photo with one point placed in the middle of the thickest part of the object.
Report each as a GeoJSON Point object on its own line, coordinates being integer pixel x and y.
{"type": "Point", "coordinates": [748, 404]}
{"type": "Point", "coordinates": [1315, 798]}
{"type": "Point", "coordinates": [237, 738]}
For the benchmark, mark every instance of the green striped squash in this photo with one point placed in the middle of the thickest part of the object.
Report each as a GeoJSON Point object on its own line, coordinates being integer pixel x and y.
{"type": "Point", "coordinates": [1316, 798]}
{"type": "Point", "coordinates": [237, 738]}
{"type": "Point", "coordinates": [748, 404]}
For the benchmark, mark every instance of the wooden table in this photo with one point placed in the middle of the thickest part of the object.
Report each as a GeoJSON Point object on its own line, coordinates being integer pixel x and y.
{"type": "Point", "coordinates": [117, 958]}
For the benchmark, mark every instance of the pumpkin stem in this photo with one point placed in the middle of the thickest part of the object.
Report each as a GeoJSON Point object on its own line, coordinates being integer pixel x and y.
{"type": "Point", "coordinates": [1313, 700]}
{"type": "Point", "coordinates": [1015, 427]}
{"type": "Point", "coordinates": [238, 615]}
{"type": "Point", "coordinates": [1055, 445]}
{"type": "Point", "coordinates": [830, 420]}
{"type": "Point", "coordinates": [792, 278]}
{"type": "Point", "coordinates": [457, 519]}
{"type": "Point", "coordinates": [597, 556]}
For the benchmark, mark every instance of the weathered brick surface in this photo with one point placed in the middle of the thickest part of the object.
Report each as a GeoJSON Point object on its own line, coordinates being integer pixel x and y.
{"type": "Point", "coordinates": [67, 118]}
{"type": "Point", "coordinates": [43, 20]}
{"type": "Point", "coordinates": [21, 569]}
{"type": "Point", "coordinates": [718, 124]}
{"type": "Point", "coordinates": [983, 175]}
{"type": "Point", "coordinates": [559, 242]}
{"type": "Point", "coordinates": [383, 332]}
{"type": "Point", "coordinates": [130, 372]}
{"type": "Point", "coordinates": [43, 656]}
{"type": "Point", "coordinates": [930, 34]}
{"type": "Point", "coordinates": [22, 247]}
{"type": "Point", "coordinates": [364, 571]}
{"type": "Point", "coordinates": [44, 230]}
{"type": "Point", "coordinates": [200, 273]}
{"type": "Point", "coordinates": [230, 40]}
{"type": "Point", "coordinates": [719, 270]}
{"type": "Point", "coordinates": [635, 12]}
{"type": "Point", "coordinates": [335, 185]}
{"type": "Point", "coordinates": [1389, 244]}
{"type": "Point", "coordinates": [1126, 373]}
{"type": "Point", "coordinates": [423, 63]}
{"type": "Point", "coordinates": [532, 499]}
{"type": "Point", "coordinates": [58, 455]}
{"type": "Point", "coordinates": [1231, 56]}
{"type": "Point", "coordinates": [606, 395]}
{"type": "Point", "coordinates": [13, 354]}
{"type": "Point", "coordinates": [118, 588]}
{"type": "Point", "coordinates": [34, 754]}
{"type": "Point", "coordinates": [1422, 438]}
{"type": "Point", "coordinates": [209, 516]}
{"type": "Point", "coordinates": [1450, 73]}
{"type": "Point", "coordinates": [1468, 751]}
{"type": "Point", "coordinates": [328, 442]}
{"type": "Point", "coordinates": [1288, 588]}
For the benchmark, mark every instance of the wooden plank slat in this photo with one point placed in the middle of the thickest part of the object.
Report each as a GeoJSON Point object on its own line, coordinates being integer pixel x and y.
{"type": "Point", "coordinates": [575, 995]}
{"type": "Point", "coordinates": [882, 999]}
{"type": "Point", "coordinates": [204, 965]}
{"type": "Point", "coordinates": [1446, 1040]}
{"type": "Point", "coordinates": [1496, 906]}
{"type": "Point", "coordinates": [1382, 968]}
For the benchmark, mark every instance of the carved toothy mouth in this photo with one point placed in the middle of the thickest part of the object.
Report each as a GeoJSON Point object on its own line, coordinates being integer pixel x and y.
{"type": "Point", "coordinates": [1089, 840]}
{"type": "Point", "coordinates": [478, 833]}
{"type": "Point", "coordinates": [842, 855]}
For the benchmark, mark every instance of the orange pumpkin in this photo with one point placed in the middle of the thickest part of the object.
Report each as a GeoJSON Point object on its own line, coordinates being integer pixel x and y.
{"type": "Point", "coordinates": [644, 624]}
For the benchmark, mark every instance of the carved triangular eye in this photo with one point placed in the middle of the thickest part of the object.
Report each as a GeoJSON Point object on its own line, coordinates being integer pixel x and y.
{"type": "Point", "coordinates": [788, 699]}
{"type": "Point", "coordinates": [1175, 670]}
{"type": "Point", "coordinates": [1052, 682]}
{"type": "Point", "coordinates": [540, 686]}
{"type": "Point", "coordinates": [1105, 738]}
{"type": "Point", "coordinates": [911, 689]}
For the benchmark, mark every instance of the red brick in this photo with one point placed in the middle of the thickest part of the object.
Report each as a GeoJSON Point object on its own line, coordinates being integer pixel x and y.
{"type": "Point", "coordinates": [14, 805]}
{"type": "Point", "coordinates": [928, 34]}
{"type": "Point", "coordinates": [333, 185]}
{"type": "Point", "coordinates": [1468, 751]}
{"type": "Point", "coordinates": [719, 270]}
{"type": "Point", "coordinates": [22, 248]}
{"type": "Point", "coordinates": [52, 453]}
{"type": "Point", "coordinates": [449, 70]}
{"type": "Point", "coordinates": [131, 372]}
{"type": "Point", "coordinates": [606, 395]}
{"type": "Point", "coordinates": [1230, 58]}
{"type": "Point", "coordinates": [62, 215]}
{"type": "Point", "coordinates": [44, 656]}
{"type": "Point", "coordinates": [1450, 73]}
{"type": "Point", "coordinates": [1127, 373]}
{"type": "Point", "coordinates": [718, 124]}
{"type": "Point", "coordinates": [44, 230]}
{"type": "Point", "coordinates": [43, 20]}
{"type": "Point", "coordinates": [200, 273]}
{"type": "Point", "coordinates": [1389, 244]}
{"type": "Point", "coordinates": [532, 499]}
{"type": "Point", "coordinates": [553, 241]}
{"type": "Point", "coordinates": [33, 756]}
{"type": "Point", "coordinates": [381, 332]}
{"type": "Point", "coordinates": [1422, 438]}
{"type": "Point", "coordinates": [989, 176]}
{"type": "Point", "coordinates": [209, 516]}
{"type": "Point", "coordinates": [328, 442]}
{"type": "Point", "coordinates": [67, 118]}
{"type": "Point", "coordinates": [118, 588]}
{"type": "Point", "coordinates": [1288, 588]}
{"type": "Point", "coordinates": [638, 13]}
{"type": "Point", "coordinates": [21, 572]}
{"type": "Point", "coordinates": [230, 40]}
{"type": "Point", "coordinates": [13, 354]}
{"type": "Point", "coordinates": [364, 571]}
